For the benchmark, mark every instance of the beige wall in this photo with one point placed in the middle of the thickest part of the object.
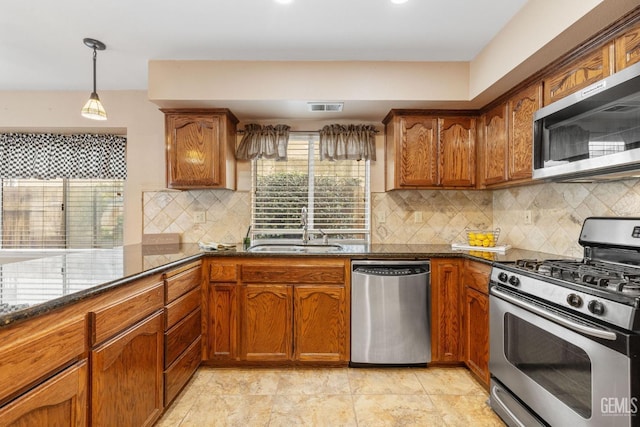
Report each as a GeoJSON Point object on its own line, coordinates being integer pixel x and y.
{"type": "Point", "coordinates": [129, 113]}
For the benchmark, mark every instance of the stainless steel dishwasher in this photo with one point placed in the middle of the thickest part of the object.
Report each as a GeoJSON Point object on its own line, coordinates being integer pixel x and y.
{"type": "Point", "coordinates": [390, 313]}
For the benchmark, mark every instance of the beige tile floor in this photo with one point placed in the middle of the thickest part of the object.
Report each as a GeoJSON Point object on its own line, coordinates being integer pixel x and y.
{"type": "Point", "coordinates": [250, 397]}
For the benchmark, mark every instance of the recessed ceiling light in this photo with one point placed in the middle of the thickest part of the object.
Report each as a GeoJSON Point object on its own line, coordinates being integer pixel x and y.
{"type": "Point", "coordinates": [399, 1]}
{"type": "Point", "coordinates": [284, 1]}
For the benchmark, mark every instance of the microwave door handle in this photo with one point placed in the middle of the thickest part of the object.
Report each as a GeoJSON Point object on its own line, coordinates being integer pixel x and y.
{"type": "Point", "coordinates": [496, 398]}
{"type": "Point", "coordinates": [594, 332]}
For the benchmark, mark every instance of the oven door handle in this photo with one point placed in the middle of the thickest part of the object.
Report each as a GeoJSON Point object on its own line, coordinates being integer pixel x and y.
{"type": "Point", "coordinates": [594, 332]}
{"type": "Point", "coordinates": [494, 392]}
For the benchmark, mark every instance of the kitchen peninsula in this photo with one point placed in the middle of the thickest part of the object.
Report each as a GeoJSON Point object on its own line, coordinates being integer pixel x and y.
{"type": "Point", "coordinates": [140, 329]}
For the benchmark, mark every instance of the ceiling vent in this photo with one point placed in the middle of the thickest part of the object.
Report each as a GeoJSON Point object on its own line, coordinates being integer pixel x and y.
{"type": "Point", "coordinates": [325, 106]}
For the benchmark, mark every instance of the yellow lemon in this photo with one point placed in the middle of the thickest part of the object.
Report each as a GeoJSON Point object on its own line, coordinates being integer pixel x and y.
{"type": "Point", "coordinates": [490, 236]}
{"type": "Point", "coordinates": [480, 236]}
{"type": "Point", "coordinates": [485, 242]}
{"type": "Point", "coordinates": [472, 236]}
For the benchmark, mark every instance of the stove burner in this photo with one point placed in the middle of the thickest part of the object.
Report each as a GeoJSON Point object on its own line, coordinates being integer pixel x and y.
{"type": "Point", "coordinates": [607, 276]}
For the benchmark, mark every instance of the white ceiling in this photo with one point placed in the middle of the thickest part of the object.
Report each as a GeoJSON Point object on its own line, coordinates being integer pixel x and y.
{"type": "Point", "coordinates": [41, 40]}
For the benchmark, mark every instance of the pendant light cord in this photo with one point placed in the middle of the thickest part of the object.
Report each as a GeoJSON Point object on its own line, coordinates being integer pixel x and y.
{"type": "Point", "coordinates": [95, 54]}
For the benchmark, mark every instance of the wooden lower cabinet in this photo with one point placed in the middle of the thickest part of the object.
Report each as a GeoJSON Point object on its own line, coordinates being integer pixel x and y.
{"type": "Point", "coordinates": [476, 312]}
{"type": "Point", "coordinates": [320, 320]}
{"type": "Point", "coordinates": [60, 401]}
{"type": "Point", "coordinates": [126, 376]}
{"type": "Point", "coordinates": [266, 322]}
{"type": "Point", "coordinates": [446, 309]}
{"type": "Point", "coordinates": [276, 310]}
{"type": "Point", "coordinates": [475, 282]}
{"type": "Point", "coordinates": [220, 322]}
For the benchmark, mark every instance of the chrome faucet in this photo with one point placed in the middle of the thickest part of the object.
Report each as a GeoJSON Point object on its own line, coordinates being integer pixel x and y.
{"type": "Point", "coordinates": [304, 221]}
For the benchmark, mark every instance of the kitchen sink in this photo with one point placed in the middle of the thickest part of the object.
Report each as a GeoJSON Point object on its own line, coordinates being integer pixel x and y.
{"type": "Point", "coordinates": [295, 248]}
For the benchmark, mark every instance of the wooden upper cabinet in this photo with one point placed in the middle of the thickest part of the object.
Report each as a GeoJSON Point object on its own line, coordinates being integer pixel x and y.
{"type": "Point", "coordinates": [583, 72]}
{"type": "Point", "coordinates": [412, 151]}
{"type": "Point", "coordinates": [200, 150]}
{"type": "Point", "coordinates": [494, 145]}
{"type": "Point", "coordinates": [522, 107]}
{"type": "Point", "coordinates": [425, 151]}
{"type": "Point", "coordinates": [457, 151]}
{"type": "Point", "coordinates": [627, 47]}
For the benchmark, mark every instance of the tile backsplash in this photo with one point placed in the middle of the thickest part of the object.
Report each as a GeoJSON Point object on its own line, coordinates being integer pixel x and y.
{"type": "Point", "coordinates": [419, 216]}
{"type": "Point", "coordinates": [558, 211]}
{"type": "Point", "coordinates": [227, 214]}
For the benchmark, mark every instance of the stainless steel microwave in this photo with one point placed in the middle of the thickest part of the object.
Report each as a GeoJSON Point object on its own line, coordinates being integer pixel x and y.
{"type": "Point", "coordinates": [593, 134]}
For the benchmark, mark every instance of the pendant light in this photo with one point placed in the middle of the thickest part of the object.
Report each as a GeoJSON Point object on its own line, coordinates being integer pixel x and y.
{"type": "Point", "coordinates": [93, 109]}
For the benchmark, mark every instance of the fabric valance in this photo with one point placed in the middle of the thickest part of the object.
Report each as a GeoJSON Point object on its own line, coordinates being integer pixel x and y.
{"type": "Point", "coordinates": [269, 142]}
{"type": "Point", "coordinates": [347, 142]}
{"type": "Point", "coordinates": [50, 156]}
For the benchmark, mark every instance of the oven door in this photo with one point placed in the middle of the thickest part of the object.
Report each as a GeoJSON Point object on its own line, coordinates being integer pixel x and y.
{"type": "Point", "coordinates": [562, 369]}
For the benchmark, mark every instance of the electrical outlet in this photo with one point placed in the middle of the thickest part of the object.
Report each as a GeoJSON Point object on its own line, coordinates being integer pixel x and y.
{"type": "Point", "coordinates": [527, 218]}
{"type": "Point", "coordinates": [199, 217]}
{"type": "Point", "coordinates": [417, 217]}
{"type": "Point", "coordinates": [381, 217]}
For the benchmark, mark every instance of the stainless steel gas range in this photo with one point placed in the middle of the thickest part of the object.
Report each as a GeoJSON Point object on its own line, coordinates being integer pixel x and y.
{"type": "Point", "coordinates": [565, 333]}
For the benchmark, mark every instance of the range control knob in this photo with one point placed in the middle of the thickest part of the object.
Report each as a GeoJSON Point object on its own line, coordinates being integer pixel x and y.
{"type": "Point", "coordinates": [596, 307]}
{"type": "Point", "coordinates": [574, 300]}
{"type": "Point", "coordinates": [514, 281]}
{"type": "Point", "coordinates": [502, 276]}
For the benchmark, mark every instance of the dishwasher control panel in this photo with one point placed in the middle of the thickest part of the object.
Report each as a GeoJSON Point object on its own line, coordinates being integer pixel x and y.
{"type": "Point", "coordinates": [390, 270]}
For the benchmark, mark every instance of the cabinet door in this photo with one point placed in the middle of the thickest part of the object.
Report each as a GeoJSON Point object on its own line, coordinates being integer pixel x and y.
{"type": "Point", "coordinates": [446, 307]}
{"type": "Point", "coordinates": [221, 330]}
{"type": "Point", "coordinates": [578, 75]}
{"type": "Point", "coordinates": [494, 145]}
{"type": "Point", "coordinates": [476, 328]}
{"type": "Point", "coordinates": [126, 376]}
{"type": "Point", "coordinates": [418, 151]}
{"type": "Point", "coordinates": [457, 151]}
{"type": "Point", "coordinates": [522, 107]}
{"type": "Point", "coordinates": [627, 48]}
{"type": "Point", "coordinates": [320, 319]}
{"type": "Point", "coordinates": [61, 401]}
{"type": "Point", "coordinates": [267, 323]}
{"type": "Point", "coordinates": [193, 151]}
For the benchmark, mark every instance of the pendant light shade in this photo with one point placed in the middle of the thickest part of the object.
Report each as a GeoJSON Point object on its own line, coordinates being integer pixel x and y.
{"type": "Point", "coordinates": [93, 108]}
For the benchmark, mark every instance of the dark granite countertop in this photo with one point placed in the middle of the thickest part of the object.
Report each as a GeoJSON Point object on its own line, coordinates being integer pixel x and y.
{"type": "Point", "coordinates": [34, 283]}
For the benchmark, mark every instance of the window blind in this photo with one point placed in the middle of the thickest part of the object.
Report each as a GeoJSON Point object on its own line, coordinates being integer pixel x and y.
{"type": "Point", "coordinates": [336, 194]}
{"type": "Point", "coordinates": [62, 213]}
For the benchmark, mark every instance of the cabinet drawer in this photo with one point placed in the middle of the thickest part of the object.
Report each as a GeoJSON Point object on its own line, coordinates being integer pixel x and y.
{"type": "Point", "coordinates": [182, 283]}
{"type": "Point", "coordinates": [221, 272]}
{"type": "Point", "coordinates": [476, 276]}
{"type": "Point", "coordinates": [110, 320]}
{"type": "Point", "coordinates": [24, 361]}
{"type": "Point", "coordinates": [178, 338]}
{"type": "Point", "coordinates": [177, 375]}
{"type": "Point", "coordinates": [286, 273]}
{"type": "Point", "coordinates": [179, 308]}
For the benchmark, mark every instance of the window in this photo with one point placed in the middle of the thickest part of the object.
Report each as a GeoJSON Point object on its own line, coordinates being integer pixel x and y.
{"type": "Point", "coordinates": [61, 191]}
{"type": "Point", "coordinates": [62, 213]}
{"type": "Point", "coordinates": [336, 194]}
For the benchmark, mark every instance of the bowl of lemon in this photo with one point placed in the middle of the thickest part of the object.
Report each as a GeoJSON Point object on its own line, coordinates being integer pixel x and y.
{"type": "Point", "coordinates": [483, 239]}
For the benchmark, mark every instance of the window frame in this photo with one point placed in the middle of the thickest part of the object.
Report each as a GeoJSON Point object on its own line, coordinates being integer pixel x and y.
{"type": "Point", "coordinates": [314, 233]}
